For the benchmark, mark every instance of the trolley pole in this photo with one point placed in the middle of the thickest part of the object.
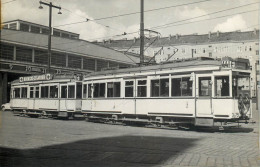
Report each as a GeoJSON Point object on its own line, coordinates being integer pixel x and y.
{"type": "Point", "coordinates": [50, 30]}
{"type": "Point", "coordinates": [142, 34]}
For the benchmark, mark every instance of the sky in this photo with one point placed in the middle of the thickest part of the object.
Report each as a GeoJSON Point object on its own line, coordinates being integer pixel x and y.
{"type": "Point", "coordinates": [177, 16]}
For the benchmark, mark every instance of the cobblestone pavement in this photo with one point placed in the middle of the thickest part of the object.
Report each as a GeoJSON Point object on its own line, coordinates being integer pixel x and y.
{"type": "Point", "coordinates": [46, 142]}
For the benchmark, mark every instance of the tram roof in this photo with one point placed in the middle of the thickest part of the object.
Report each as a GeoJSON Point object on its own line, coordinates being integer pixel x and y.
{"type": "Point", "coordinates": [191, 63]}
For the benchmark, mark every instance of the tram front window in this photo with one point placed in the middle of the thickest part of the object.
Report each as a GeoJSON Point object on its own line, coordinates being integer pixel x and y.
{"type": "Point", "coordinates": [241, 85]}
{"type": "Point", "coordinates": [205, 86]}
{"type": "Point", "coordinates": [222, 86]}
{"type": "Point", "coordinates": [16, 93]}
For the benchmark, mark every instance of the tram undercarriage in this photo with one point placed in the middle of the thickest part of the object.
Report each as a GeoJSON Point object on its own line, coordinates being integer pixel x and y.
{"type": "Point", "coordinates": [164, 121]}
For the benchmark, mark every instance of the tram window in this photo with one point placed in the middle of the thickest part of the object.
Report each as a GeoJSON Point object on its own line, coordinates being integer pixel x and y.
{"type": "Point", "coordinates": [31, 92]}
{"type": "Point", "coordinates": [37, 92]}
{"type": "Point", "coordinates": [16, 93]}
{"type": "Point", "coordinates": [24, 93]}
{"type": "Point", "coordinates": [44, 91]}
{"type": "Point", "coordinates": [181, 87]}
{"type": "Point", "coordinates": [71, 91]}
{"type": "Point", "coordinates": [141, 88]}
{"type": "Point", "coordinates": [129, 88]}
{"type": "Point", "coordinates": [205, 86]}
{"type": "Point", "coordinates": [155, 86]}
{"type": "Point", "coordinates": [240, 85]}
{"type": "Point", "coordinates": [64, 91]}
{"type": "Point", "coordinates": [164, 87]}
{"type": "Point", "coordinates": [79, 91]}
{"type": "Point", "coordinates": [89, 91]}
{"type": "Point", "coordinates": [222, 86]}
{"type": "Point", "coordinates": [99, 90]}
{"type": "Point", "coordinates": [113, 89]}
{"type": "Point", "coordinates": [54, 91]}
{"type": "Point", "coordinates": [84, 91]}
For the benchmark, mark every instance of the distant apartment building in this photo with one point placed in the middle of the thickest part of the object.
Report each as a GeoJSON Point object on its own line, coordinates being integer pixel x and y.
{"type": "Point", "coordinates": [177, 47]}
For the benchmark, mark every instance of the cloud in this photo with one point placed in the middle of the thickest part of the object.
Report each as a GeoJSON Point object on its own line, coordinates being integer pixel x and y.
{"type": "Point", "coordinates": [188, 12]}
{"type": "Point", "coordinates": [88, 30]}
{"type": "Point", "coordinates": [236, 22]}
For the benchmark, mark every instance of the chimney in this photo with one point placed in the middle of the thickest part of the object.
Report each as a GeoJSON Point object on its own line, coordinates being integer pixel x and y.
{"type": "Point", "coordinates": [170, 37]}
{"type": "Point", "coordinates": [255, 31]}
{"type": "Point", "coordinates": [177, 36]}
{"type": "Point", "coordinates": [209, 36]}
{"type": "Point", "coordinates": [134, 39]}
{"type": "Point", "coordinates": [217, 33]}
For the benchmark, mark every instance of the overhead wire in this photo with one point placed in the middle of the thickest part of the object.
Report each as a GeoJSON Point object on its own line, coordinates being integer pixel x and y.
{"type": "Point", "coordinates": [127, 14]}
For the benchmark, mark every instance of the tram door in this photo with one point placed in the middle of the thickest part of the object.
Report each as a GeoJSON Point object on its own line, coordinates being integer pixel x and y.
{"type": "Point", "coordinates": [204, 95]}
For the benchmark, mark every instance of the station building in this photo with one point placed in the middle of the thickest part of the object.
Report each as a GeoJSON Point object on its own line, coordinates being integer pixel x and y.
{"type": "Point", "coordinates": [217, 45]}
{"type": "Point", "coordinates": [24, 51]}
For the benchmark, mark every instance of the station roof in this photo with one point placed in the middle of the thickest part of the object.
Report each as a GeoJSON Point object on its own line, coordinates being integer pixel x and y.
{"type": "Point", "coordinates": [71, 46]}
{"type": "Point", "coordinates": [216, 37]}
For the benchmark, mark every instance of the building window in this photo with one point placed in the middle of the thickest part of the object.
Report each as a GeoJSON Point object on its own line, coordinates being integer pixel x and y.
{"type": "Point", "coordinates": [23, 54]}
{"type": "Point", "coordinates": [41, 56]}
{"type": "Point", "coordinates": [205, 86]}
{"type": "Point", "coordinates": [99, 90]}
{"type": "Point", "coordinates": [141, 88]}
{"type": "Point", "coordinates": [7, 52]}
{"type": "Point", "coordinates": [222, 86]}
{"type": "Point", "coordinates": [64, 35]}
{"type": "Point", "coordinates": [45, 31]}
{"type": "Point", "coordinates": [204, 51]}
{"type": "Point", "coordinates": [74, 61]}
{"type": "Point", "coordinates": [101, 64]}
{"type": "Point", "coordinates": [35, 29]}
{"type": "Point", "coordinates": [89, 64]}
{"type": "Point", "coordinates": [250, 49]}
{"type": "Point", "coordinates": [13, 26]}
{"type": "Point", "coordinates": [56, 33]}
{"type": "Point", "coordinates": [113, 89]}
{"type": "Point", "coordinates": [181, 87]}
{"type": "Point", "coordinates": [129, 88]}
{"type": "Point", "coordinates": [24, 27]}
{"type": "Point", "coordinates": [58, 59]}
{"type": "Point", "coordinates": [257, 52]}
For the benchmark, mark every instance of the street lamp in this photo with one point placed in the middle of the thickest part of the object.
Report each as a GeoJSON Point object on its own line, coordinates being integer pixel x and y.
{"type": "Point", "coordinates": [49, 37]}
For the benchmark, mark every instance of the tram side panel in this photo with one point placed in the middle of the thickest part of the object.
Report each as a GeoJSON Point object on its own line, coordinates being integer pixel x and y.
{"type": "Point", "coordinates": [166, 107]}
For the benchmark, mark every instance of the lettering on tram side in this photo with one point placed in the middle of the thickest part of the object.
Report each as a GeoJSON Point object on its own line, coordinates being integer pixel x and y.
{"type": "Point", "coordinates": [44, 77]}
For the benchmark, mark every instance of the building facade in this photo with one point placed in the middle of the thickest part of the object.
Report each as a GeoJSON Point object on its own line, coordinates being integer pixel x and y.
{"type": "Point", "coordinates": [24, 51]}
{"type": "Point", "coordinates": [215, 45]}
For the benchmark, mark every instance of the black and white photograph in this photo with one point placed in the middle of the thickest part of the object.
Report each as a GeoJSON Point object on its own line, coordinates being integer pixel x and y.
{"type": "Point", "coordinates": [129, 83]}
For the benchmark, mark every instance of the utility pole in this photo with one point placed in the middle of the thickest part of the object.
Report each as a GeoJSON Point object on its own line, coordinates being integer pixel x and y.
{"type": "Point", "coordinates": [142, 34]}
{"type": "Point", "coordinates": [50, 32]}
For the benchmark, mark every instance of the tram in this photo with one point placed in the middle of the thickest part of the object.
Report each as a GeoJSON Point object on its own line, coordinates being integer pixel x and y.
{"type": "Point", "coordinates": [200, 92]}
{"type": "Point", "coordinates": [47, 95]}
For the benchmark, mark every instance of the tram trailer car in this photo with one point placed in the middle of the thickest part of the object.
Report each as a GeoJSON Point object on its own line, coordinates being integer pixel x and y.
{"type": "Point", "coordinates": [47, 95]}
{"type": "Point", "coordinates": [202, 92]}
